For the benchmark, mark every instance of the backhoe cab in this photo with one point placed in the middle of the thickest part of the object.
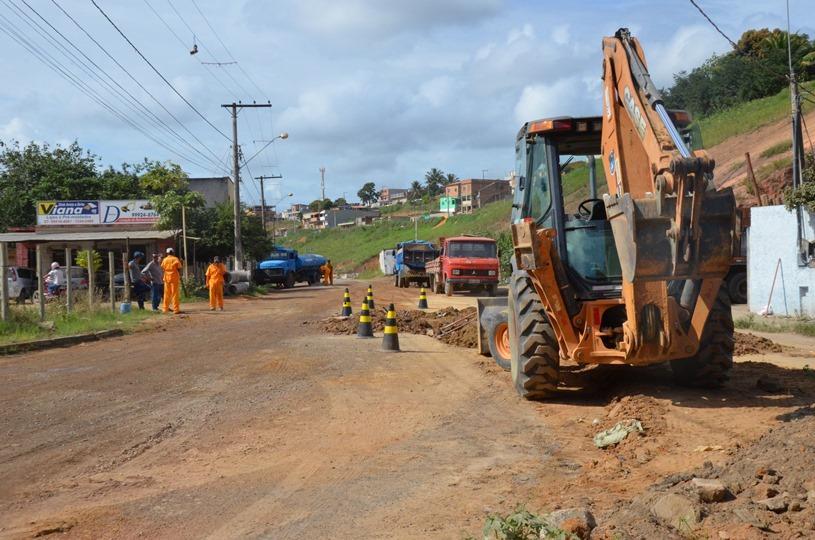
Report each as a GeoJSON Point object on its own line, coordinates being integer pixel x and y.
{"type": "Point", "coordinates": [633, 277]}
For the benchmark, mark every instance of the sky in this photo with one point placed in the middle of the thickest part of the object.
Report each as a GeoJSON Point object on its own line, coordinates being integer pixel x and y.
{"type": "Point", "coordinates": [372, 90]}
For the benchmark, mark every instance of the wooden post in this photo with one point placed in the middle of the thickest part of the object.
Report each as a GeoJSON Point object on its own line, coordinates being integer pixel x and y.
{"type": "Point", "coordinates": [69, 286]}
{"type": "Point", "coordinates": [91, 278]}
{"type": "Point", "coordinates": [40, 283]}
{"type": "Point", "coordinates": [111, 288]}
{"type": "Point", "coordinates": [184, 238]}
{"type": "Point", "coordinates": [4, 313]}
{"type": "Point", "coordinates": [752, 176]}
{"type": "Point", "coordinates": [126, 271]}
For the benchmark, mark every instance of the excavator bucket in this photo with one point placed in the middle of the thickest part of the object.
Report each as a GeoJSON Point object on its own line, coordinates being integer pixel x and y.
{"type": "Point", "coordinates": [650, 247]}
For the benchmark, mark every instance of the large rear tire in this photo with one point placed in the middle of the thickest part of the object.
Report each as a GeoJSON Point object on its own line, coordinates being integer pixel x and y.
{"type": "Point", "coordinates": [448, 287]}
{"type": "Point", "coordinates": [535, 359]}
{"type": "Point", "coordinates": [710, 366]}
{"type": "Point", "coordinates": [737, 287]}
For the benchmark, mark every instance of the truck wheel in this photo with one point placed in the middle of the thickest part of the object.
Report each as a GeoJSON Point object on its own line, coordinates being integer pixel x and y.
{"type": "Point", "coordinates": [737, 287]}
{"type": "Point", "coordinates": [289, 281]}
{"type": "Point", "coordinates": [492, 289]}
{"type": "Point", "coordinates": [448, 287]}
{"type": "Point", "coordinates": [535, 358]}
{"type": "Point", "coordinates": [709, 367]}
{"type": "Point", "coordinates": [396, 281]}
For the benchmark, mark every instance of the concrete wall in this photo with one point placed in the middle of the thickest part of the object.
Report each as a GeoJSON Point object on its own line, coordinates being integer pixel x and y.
{"type": "Point", "coordinates": [214, 190]}
{"type": "Point", "coordinates": [773, 236]}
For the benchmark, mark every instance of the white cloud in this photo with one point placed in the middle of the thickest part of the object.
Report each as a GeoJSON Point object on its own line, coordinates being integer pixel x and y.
{"type": "Point", "coordinates": [436, 91]}
{"type": "Point", "coordinates": [14, 130]}
{"type": "Point", "coordinates": [687, 48]}
{"type": "Point", "coordinates": [570, 96]}
{"type": "Point", "coordinates": [517, 34]}
{"type": "Point", "coordinates": [561, 35]}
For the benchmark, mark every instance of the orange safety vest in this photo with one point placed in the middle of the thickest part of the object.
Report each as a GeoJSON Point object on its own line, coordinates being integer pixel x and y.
{"type": "Point", "coordinates": [215, 274]}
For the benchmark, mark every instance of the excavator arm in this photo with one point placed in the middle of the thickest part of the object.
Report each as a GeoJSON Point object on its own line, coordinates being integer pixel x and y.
{"type": "Point", "coordinates": [672, 229]}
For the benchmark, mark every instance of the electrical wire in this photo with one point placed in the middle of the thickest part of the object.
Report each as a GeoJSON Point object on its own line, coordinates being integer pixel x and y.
{"type": "Point", "coordinates": [9, 29]}
{"type": "Point", "coordinates": [250, 79]}
{"type": "Point", "coordinates": [130, 101]}
{"type": "Point", "coordinates": [132, 78]}
{"type": "Point", "coordinates": [163, 78]}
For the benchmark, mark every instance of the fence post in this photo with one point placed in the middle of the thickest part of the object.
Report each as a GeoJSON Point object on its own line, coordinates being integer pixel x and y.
{"type": "Point", "coordinates": [111, 289]}
{"type": "Point", "coordinates": [4, 314]}
{"type": "Point", "coordinates": [126, 270]}
{"type": "Point", "coordinates": [91, 278]}
{"type": "Point", "coordinates": [69, 286]}
{"type": "Point", "coordinates": [40, 283]}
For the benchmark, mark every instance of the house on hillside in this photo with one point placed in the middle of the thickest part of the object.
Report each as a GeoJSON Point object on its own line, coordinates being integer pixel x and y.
{"type": "Point", "coordinates": [475, 192]}
{"type": "Point", "coordinates": [389, 196]}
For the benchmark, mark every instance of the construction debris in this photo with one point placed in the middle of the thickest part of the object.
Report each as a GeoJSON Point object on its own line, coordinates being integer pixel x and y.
{"type": "Point", "coordinates": [616, 434]}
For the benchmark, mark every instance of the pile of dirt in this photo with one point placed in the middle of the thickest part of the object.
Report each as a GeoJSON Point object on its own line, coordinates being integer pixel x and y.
{"type": "Point", "coordinates": [450, 325]}
{"type": "Point", "coordinates": [747, 343]}
{"type": "Point", "coordinates": [767, 488]}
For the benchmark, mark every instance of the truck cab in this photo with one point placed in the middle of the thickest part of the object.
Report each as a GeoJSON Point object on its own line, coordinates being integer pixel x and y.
{"type": "Point", "coordinates": [465, 262]}
{"type": "Point", "coordinates": [411, 258]}
{"type": "Point", "coordinates": [285, 267]}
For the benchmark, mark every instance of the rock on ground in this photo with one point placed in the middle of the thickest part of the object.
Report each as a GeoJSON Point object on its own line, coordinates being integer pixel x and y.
{"type": "Point", "coordinates": [577, 521]}
{"type": "Point", "coordinates": [710, 491]}
{"type": "Point", "coordinates": [677, 511]}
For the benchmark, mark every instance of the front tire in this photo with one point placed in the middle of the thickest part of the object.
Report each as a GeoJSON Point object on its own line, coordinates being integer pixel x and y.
{"type": "Point", "coordinates": [737, 287]}
{"type": "Point", "coordinates": [448, 287]}
{"type": "Point", "coordinates": [710, 366]}
{"type": "Point", "coordinates": [535, 358]}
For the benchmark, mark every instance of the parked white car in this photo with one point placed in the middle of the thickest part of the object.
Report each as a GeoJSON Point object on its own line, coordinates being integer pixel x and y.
{"type": "Point", "coordinates": [22, 282]}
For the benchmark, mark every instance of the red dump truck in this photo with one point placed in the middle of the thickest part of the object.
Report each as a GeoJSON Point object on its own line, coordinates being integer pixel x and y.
{"type": "Point", "coordinates": [465, 262]}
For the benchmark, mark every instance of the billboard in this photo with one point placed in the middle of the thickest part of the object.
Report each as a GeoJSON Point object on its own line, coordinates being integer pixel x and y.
{"type": "Point", "coordinates": [133, 212]}
{"type": "Point", "coordinates": [130, 212]}
{"type": "Point", "coordinates": [68, 213]}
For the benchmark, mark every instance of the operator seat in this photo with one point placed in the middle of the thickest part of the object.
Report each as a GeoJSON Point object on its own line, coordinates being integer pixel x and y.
{"type": "Point", "coordinates": [598, 210]}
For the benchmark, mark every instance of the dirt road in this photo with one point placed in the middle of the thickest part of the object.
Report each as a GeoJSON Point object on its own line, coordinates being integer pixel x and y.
{"type": "Point", "coordinates": [251, 423]}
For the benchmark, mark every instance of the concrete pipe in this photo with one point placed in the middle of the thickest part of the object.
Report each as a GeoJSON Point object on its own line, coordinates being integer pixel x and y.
{"type": "Point", "coordinates": [239, 276]}
{"type": "Point", "coordinates": [237, 288]}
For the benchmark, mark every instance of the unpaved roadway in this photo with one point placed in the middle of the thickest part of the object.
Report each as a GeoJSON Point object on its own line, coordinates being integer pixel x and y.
{"type": "Point", "coordinates": [251, 423]}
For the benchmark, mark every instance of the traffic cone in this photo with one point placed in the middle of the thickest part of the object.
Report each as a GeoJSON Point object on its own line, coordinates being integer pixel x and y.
{"type": "Point", "coordinates": [390, 341]}
{"type": "Point", "coordinates": [346, 304]}
{"type": "Point", "coordinates": [370, 298]}
{"type": "Point", "coordinates": [422, 299]}
{"type": "Point", "coordinates": [365, 329]}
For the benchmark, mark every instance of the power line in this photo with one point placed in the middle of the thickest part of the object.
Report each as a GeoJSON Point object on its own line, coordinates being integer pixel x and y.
{"type": "Point", "coordinates": [134, 79]}
{"type": "Point", "coordinates": [194, 3]}
{"type": "Point", "coordinates": [705, 15]}
{"type": "Point", "coordinates": [163, 78]}
{"type": "Point", "coordinates": [132, 103]}
{"type": "Point", "coordinates": [9, 28]}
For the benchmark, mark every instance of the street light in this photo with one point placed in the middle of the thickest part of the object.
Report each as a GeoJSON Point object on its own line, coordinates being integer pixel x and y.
{"type": "Point", "coordinates": [274, 216]}
{"type": "Point", "coordinates": [284, 135]}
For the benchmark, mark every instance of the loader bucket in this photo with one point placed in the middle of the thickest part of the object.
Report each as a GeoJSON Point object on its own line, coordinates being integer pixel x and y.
{"type": "Point", "coordinates": [647, 248]}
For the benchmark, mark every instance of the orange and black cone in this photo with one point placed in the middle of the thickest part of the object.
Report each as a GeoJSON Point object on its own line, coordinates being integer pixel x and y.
{"type": "Point", "coordinates": [390, 341]}
{"type": "Point", "coordinates": [346, 304]}
{"type": "Point", "coordinates": [422, 299]}
{"type": "Point", "coordinates": [365, 329]}
{"type": "Point", "coordinates": [370, 298]}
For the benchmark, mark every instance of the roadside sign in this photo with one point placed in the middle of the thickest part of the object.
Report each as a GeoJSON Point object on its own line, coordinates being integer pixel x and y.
{"type": "Point", "coordinates": [67, 212]}
{"type": "Point", "coordinates": [128, 212]}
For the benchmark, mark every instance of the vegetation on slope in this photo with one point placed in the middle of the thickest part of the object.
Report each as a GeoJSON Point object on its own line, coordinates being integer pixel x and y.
{"type": "Point", "coordinates": [349, 249]}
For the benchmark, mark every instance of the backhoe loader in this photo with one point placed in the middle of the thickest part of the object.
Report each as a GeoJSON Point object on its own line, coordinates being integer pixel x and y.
{"type": "Point", "coordinates": [634, 277]}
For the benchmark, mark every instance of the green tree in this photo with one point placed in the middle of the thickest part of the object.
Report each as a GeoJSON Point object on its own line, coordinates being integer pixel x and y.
{"type": "Point", "coordinates": [160, 178]}
{"type": "Point", "coordinates": [81, 260]}
{"type": "Point", "coordinates": [315, 205]}
{"type": "Point", "coordinates": [434, 181]}
{"type": "Point", "coordinates": [326, 204]}
{"type": "Point", "coordinates": [368, 194]}
{"type": "Point", "coordinates": [169, 207]}
{"type": "Point", "coordinates": [416, 190]}
{"type": "Point", "coordinates": [217, 233]}
{"type": "Point", "coordinates": [340, 202]}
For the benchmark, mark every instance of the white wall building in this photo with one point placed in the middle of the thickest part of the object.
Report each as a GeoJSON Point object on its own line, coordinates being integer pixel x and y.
{"type": "Point", "coordinates": [773, 237]}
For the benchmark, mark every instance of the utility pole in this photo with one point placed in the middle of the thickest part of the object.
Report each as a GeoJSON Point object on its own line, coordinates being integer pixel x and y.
{"type": "Point", "coordinates": [263, 198]}
{"type": "Point", "coordinates": [236, 173]}
{"type": "Point", "coordinates": [322, 183]}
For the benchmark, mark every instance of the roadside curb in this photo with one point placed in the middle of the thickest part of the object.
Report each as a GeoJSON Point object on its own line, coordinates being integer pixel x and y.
{"type": "Point", "coordinates": [64, 341]}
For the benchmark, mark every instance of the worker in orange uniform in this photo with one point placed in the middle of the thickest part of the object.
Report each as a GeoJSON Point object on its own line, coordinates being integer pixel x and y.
{"type": "Point", "coordinates": [172, 282]}
{"type": "Point", "coordinates": [215, 283]}
{"type": "Point", "coordinates": [328, 273]}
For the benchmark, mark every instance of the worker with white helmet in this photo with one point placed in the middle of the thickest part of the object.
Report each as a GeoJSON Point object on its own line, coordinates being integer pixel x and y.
{"type": "Point", "coordinates": [171, 266]}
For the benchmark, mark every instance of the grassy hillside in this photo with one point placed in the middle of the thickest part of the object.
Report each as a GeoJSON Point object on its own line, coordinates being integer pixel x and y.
{"type": "Point", "coordinates": [747, 117]}
{"type": "Point", "coordinates": [349, 249]}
